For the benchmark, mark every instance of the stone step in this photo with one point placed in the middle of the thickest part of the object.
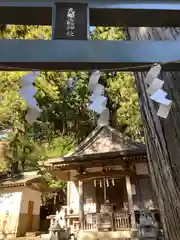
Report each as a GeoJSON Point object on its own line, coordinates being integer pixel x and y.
{"type": "Point", "coordinates": [30, 234]}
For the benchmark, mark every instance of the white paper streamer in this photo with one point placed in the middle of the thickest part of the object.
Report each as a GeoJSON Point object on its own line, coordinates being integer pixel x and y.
{"type": "Point", "coordinates": [98, 100]}
{"type": "Point", "coordinates": [164, 110]}
{"type": "Point", "coordinates": [97, 107]}
{"type": "Point", "coordinates": [107, 182]}
{"type": "Point", "coordinates": [156, 85]}
{"type": "Point", "coordinates": [93, 81]}
{"type": "Point", "coordinates": [99, 104]}
{"type": "Point", "coordinates": [99, 90]}
{"type": "Point", "coordinates": [153, 73]}
{"type": "Point", "coordinates": [27, 92]}
{"type": "Point", "coordinates": [32, 103]}
{"type": "Point", "coordinates": [94, 183]}
{"type": "Point", "coordinates": [70, 82]}
{"type": "Point", "coordinates": [101, 100]}
{"type": "Point", "coordinates": [33, 114]}
{"type": "Point", "coordinates": [29, 78]}
{"type": "Point", "coordinates": [160, 97]}
{"type": "Point", "coordinates": [104, 118]}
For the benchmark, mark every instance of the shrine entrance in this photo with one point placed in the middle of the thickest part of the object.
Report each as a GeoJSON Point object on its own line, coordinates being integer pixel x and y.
{"type": "Point", "coordinates": [110, 211]}
{"type": "Point", "coordinates": [108, 193]}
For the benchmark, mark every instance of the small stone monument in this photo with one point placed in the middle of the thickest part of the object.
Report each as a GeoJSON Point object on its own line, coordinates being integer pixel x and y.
{"type": "Point", "coordinates": [57, 229]}
{"type": "Point", "coordinates": [148, 229]}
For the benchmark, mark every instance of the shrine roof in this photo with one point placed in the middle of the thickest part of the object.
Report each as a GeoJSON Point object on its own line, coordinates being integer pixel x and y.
{"type": "Point", "coordinates": [26, 179]}
{"type": "Point", "coordinates": [106, 139]}
{"type": "Point", "coordinates": [104, 142]}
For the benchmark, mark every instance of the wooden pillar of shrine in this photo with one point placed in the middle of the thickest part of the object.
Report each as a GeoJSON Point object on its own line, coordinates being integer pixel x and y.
{"type": "Point", "coordinates": [81, 205]}
{"type": "Point", "coordinates": [130, 202]}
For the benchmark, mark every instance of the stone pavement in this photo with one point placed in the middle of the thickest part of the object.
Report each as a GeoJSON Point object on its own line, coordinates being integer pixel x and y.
{"type": "Point", "coordinates": [25, 238]}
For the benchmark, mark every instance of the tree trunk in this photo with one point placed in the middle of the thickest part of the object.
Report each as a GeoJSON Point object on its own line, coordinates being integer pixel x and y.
{"type": "Point", "coordinates": [162, 137]}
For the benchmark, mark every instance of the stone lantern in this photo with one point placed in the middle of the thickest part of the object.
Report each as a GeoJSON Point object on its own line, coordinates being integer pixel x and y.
{"type": "Point", "coordinates": [148, 229]}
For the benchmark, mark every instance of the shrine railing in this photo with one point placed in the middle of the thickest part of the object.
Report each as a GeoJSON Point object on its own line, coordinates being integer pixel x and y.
{"type": "Point", "coordinates": [122, 221]}
{"type": "Point", "coordinates": [103, 222]}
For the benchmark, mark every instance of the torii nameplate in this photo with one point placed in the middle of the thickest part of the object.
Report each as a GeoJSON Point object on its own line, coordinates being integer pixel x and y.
{"type": "Point", "coordinates": [70, 21]}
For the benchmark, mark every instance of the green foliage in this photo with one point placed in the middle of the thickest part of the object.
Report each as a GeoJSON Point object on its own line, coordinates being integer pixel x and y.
{"type": "Point", "coordinates": [122, 92]}
{"type": "Point", "coordinates": [109, 33]}
{"type": "Point", "coordinates": [64, 108]}
{"type": "Point", "coordinates": [60, 146]}
{"type": "Point", "coordinates": [52, 181]}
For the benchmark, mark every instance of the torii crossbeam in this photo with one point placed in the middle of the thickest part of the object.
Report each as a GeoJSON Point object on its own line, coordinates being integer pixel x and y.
{"type": "Point", "coordinates": [131, 13]}
{"type": "Point", "coordinates": [65, 55]}
{"type": "Point", "coordinates": [62, 53]}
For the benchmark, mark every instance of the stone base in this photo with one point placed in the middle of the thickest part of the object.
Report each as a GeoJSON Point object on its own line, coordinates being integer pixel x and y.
{"type": "Point", "coordinates": [115, 235]}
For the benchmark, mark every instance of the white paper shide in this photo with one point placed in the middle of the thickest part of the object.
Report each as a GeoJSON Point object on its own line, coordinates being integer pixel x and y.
{"type": "Point", "coordinates": [104, 118]}
{"type": "Point", "coordinates": [28, 92]}
{"type": "Point", "coordinates": [94, 79]}
{"type": "Point", "coordinates": [152, 74]}
{"type": "Point", "coordinates": [154, 89]}
{"type": "Point", "coordinates": [155, 86]}
{"type": "Point", "coordinates": [98, 100]}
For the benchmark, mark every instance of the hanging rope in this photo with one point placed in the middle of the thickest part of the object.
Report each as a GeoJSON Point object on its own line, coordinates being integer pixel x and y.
{"type": "Point", "coordinates": [138, 67]}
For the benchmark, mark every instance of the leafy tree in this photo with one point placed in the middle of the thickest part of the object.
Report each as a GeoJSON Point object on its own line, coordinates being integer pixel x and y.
{"type": "Point", "coordinates": [60, 146]}
{"type": "Point", "coordinates": [65, 108]}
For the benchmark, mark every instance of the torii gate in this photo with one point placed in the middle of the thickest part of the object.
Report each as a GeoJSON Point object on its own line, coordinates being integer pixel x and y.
{"type": "Point", "coordinates": [83, 54]}
{"type": "Point", "coordinates": [63, 54]}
